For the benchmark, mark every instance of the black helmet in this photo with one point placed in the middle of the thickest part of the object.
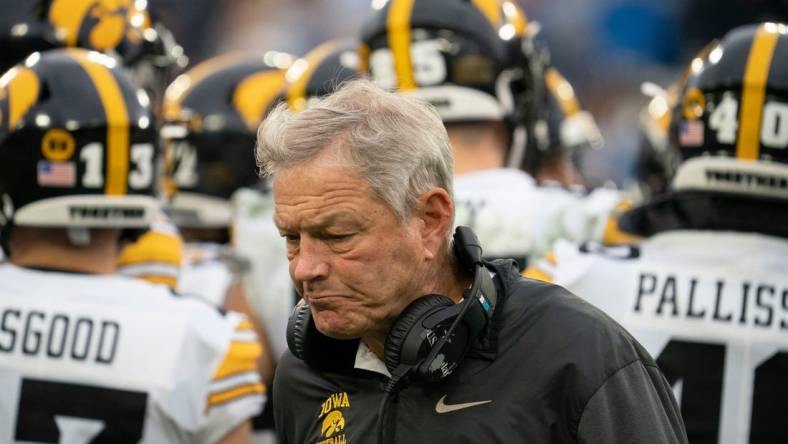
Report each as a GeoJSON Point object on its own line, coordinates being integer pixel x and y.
{"type": "Point", "coordinates": [124, 29]}
{"type": "Point", "coordinates": [321, 71]}
{"type": "Point", "coordinates": [78, 146]}
{"type": "Point", "coordinates": [730, 140]}
{"type": "Point", "coordinates": [24, 29]}
{"type": "Point", "coordinates": [562, 126]}
{"type": "Point", "coordinates": [211, 117]}
{"type": "Point", "coordinates": [465, 57]}
{"type": "Point", "coordinates": [151, 54]}
{"type": "Point", "coordinates": [729, 122]}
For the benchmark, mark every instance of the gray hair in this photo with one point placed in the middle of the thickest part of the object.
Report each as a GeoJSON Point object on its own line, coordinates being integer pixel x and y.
{"type": "Point", "coordinates": [397, 143]}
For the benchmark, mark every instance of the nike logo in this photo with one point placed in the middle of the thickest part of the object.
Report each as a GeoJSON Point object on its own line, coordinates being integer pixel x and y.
{"type": "Point", "coordinates": [442, 407]}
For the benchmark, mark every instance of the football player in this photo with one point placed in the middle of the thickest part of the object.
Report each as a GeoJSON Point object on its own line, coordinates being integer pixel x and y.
{"type": "Point", "coordinates": [571, 132]}
{"type": "Point", "coordinates": [211, 117]}
{"type": "Point", "coordinates": [123, 29]}
{"type": "Point", "coordinates": [706, 291]}
{"type": "Point", "coordinates": [87, 355]}
{"type": "Point", "coordinates": [473, 61]}
{"type": "Point", "coordinates": [654, 160]}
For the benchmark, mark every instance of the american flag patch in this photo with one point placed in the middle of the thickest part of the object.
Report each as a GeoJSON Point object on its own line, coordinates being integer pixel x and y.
{"type": "Point", "coordinates": [56, 174]}
{"type": "Point", "coordinates": [691, 133]}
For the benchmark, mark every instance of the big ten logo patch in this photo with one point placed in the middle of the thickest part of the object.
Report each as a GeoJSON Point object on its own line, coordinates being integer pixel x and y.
{"type": "Point", "coordinates": [57, 145]}
{"type": "Point", "coordinates": [333, 421]}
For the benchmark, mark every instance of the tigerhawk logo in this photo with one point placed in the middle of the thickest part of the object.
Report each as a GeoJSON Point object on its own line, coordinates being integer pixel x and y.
{"type": "Point", "coordinates": [333, 421]}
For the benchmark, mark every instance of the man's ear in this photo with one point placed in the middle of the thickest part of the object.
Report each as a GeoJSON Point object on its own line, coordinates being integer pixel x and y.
{"type": "Point", "coordinates": [437, 215]}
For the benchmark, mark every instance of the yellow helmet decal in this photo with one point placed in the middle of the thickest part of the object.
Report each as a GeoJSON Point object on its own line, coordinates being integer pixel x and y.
{"type": "Point", "coordinates": [254, 95]}
{"type": "Point", "coordinates": [110, 17]}
{"type": "Point", "coordinates": [398, 29]}
{"type": "Point", "coordinates": [23, 88]}
{"type": "Point", "coordinates": [58, 145]}
{"type": "Point", "coordinates": [562, 90]}
{"type": "Point", "coordinates": [118, 137]}
{"type": "Point", "coordinates": [296, 92]}
{"type": "Point", "coordinates": [754, 91]}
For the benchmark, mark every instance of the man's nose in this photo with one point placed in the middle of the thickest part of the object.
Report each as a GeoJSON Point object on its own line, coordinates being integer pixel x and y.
{"type": "Point", "coordinates": [311, 262]}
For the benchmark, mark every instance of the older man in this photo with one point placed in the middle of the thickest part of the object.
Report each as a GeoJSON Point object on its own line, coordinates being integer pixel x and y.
{"type": "Point", "coordinates": [362, 184]}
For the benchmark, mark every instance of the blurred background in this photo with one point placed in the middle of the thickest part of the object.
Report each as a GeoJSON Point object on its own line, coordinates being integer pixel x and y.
{"type": "Point", "coordinates": [605, 48]}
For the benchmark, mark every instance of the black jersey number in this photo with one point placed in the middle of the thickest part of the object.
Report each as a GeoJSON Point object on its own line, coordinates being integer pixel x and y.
{"type": "Point", "coordinates": [86, 413]}
{"type": "Point", "coordinates": [700, 368]}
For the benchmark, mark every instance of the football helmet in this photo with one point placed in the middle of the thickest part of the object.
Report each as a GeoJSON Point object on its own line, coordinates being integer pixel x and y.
{"type": "Point", "coordinates": [150, 52]}
{"type": "Point", "coordinates": [211, 117]}
{"type": "Point", "coordinates": [124, 29]}
{"type": "Point", "coordinates": [464, 57]}
{"type": "Point", "coordinates": [655, 159]}
{"type": "Point", "coordinates": [562, 127]}
{"type": "Point", "coordinates": [729, 122]}
{"type": "Point", "coordinates": [77, 144]}
{"type": "Point", "coordinates": [729, 139]}
{"type": "Point", "coordinates": [24, 29]}
{"type": "Point", "coordinates": [320, 72]}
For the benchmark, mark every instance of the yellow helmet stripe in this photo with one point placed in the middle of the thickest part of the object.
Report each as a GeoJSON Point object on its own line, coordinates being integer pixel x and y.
{"type": "Point", "coordinates": [491, 9]}
{"type": "Point", "coordinates": [180, 88]}
{"type": "Point", "coordinates": [118, 136]}
{"type": "Point", "coordinates": [562, 90]}
{"type": "Point", "coordinates": [254, 95]}
{"type": "Point", "coordinates": [296, 92]}
{"type": "Point", "coordinates": [754, 92]}
{"type": "Point", "coordinates": [398, 28]}
{"type": "Point", "coordinates": [515, 15]}
{"type": "Point", "coordinates": [22, 94]}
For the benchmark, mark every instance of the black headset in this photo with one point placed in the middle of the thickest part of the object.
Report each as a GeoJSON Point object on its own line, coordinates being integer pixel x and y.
{"type": "Point", "coordinates": [429, 338]}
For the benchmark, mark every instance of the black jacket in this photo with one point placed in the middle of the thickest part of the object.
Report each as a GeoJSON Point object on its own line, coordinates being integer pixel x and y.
{"type": "Point", "coordinates": [554, 370]}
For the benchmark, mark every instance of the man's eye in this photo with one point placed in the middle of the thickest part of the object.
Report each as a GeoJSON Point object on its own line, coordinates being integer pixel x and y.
{"type": "Point", "coordinates": [290, 238]}
{"type": "Point", "coordinates": [338, 237]}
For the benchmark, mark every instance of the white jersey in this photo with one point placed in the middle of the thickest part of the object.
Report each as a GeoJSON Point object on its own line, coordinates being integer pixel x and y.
{"type": "Point", "coordinates": [712, 308]}
{"type": "Point", "coordinates": [515, 218]}
{"type": "Point", "coordinates": [267, 283]}
{"type": "Point", "coordinates": [87, 358]}
{"type": "Point", "coordinates": [204, 273]}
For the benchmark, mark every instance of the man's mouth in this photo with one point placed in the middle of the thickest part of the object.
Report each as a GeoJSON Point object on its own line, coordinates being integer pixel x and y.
{"type": "Point", "coordinates": [322, 299]}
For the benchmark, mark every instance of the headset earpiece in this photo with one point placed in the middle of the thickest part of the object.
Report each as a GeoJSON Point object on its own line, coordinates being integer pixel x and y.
{"type": "Point", "coordinates": [408, 342]}
{"type": "Point", "coordinates": [314, 348]}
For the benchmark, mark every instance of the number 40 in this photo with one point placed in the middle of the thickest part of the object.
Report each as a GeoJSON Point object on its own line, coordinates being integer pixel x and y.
{"type": "Point", "coordinates": [774, 122]}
